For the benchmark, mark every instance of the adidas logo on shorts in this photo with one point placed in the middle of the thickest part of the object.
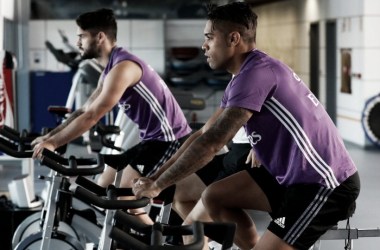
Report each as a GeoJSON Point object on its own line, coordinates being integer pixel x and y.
{"type": "Point", "coordinates": [280, 222]}
{"type": "Point", "coordinates": [140, 168]}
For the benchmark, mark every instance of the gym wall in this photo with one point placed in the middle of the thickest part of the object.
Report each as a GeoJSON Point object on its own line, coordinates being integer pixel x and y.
{"type": "Point", "coordinates": [144, 38]}
{"type": "Point", "coordinates": [283, 32]}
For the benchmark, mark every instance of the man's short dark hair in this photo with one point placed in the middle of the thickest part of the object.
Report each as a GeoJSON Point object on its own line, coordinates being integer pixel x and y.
{"type": "Point", "coordinates": [235, 16]}
{"type": "Point", "coordinates": [99, 20]}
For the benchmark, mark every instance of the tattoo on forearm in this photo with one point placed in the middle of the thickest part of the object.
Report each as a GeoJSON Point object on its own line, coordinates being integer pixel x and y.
{"type": "Point", "coordinates": [71, 118]}
{"type": "Point", "coordinates": [78, 112]}
{"type": "Point", "coordinates": [204, 148]}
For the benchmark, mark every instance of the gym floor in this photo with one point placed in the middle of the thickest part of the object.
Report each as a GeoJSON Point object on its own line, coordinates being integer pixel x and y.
{"type": "Point", "coordinates": [367, 214]}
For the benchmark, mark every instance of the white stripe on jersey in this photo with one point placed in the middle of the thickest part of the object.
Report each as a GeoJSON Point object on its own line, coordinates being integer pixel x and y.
{"type": "Point", "coordinates": [308, 215]}
{"type": "Point", "coordinates": [157, 110]}
{"type": "Point", "coordinates": [302, 141]}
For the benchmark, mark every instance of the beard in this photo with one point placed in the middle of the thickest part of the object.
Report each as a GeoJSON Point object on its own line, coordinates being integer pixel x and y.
{"type": "Point", "coordinates": [91, 52]}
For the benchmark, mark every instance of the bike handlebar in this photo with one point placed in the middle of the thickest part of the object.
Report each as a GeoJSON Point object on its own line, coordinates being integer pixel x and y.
{"type": "Point", "coordinates": [109, 204]}
{"type": "Point", "coordinates": [73, 170]}
{"type": "Point", "coordinates": [11, 135]}
{"type": "Point", "coordinates": [221, 232]}
{"type": "Point", "coordinates": [11, 130]}
{"type": "Point", "coordinates": [132, 222]}
{"type": "Point", "coordinates": [107, 129]}
{"type": "Point", "coordinates": [9, 148]}
{"type": "Point", "coordinates": [157, 232]}
{"type": "Point", "coordinates": [101, 191]}
{"type": "Point", "coordinates": [66, 161]}
{"type": "Point", "coordinates": [104, 130]}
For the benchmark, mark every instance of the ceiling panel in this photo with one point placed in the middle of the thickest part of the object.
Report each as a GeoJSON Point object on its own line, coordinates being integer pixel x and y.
{"type": "Point", "coordinates": [128, 9]}
{"type": "Point", "coordinates": [254, 3]}
{"type": "Point", "coordinates": [144, 9]}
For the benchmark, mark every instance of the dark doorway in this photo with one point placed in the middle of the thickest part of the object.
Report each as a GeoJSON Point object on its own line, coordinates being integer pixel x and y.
{"type": "Point", "coordinates": [314, 59]}
{"type": "Point", "coordinates": [331, 54]}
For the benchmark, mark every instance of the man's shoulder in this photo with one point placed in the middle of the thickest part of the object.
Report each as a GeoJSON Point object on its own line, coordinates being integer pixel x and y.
{"type": "Point", "coordinates": [120, 54]}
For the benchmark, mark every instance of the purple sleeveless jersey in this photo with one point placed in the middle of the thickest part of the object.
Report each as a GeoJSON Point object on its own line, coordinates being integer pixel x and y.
{"type": "Point", "coordinates": [290, 131]}
{"type": "Point", "coordinates": [149, 103]}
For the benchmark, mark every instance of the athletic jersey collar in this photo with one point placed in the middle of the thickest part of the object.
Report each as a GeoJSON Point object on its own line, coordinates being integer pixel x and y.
{"type": "Point", "coordinates": [112, 51]}
{"type": "Point", "coordinates": [247, 59]}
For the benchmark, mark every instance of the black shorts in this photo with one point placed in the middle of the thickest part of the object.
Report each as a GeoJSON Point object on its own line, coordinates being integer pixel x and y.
{"type": "Point", "coordinates": [302, 213]}
{"type": "Point", "coordinates": [226, 164]}
{"type": "Point", "coordinates": [146, 157]}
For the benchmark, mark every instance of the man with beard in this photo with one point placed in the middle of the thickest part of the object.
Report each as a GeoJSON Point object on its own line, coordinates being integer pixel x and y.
{"type": "Point", "coordinates": [140, 93]}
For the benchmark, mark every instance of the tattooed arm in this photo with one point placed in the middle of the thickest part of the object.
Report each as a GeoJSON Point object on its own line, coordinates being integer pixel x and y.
{"type": "Point", "coordinates": [187, 144]}
{"type": "Point", "coordinates": [200, 152]}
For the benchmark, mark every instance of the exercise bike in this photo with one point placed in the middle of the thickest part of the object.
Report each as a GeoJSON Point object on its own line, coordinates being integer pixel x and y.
{"type": "Point", "coordinates": [222, 233]}
{"type": "Point", "coordinates": [58, 211]}
{"type": "Point", "coordinates": [74, 221]}
{"type": "Point", "coordinates": [51, 237]}
{"type": "Point", "coordinates": [16, 144]}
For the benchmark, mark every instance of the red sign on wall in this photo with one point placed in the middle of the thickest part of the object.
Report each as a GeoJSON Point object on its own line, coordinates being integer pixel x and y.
{"type": "Point", "coordinates": [6, 90]}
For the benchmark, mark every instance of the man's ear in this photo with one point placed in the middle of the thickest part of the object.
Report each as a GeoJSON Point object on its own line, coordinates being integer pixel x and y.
{"type": "Point", "coordinates": [234, 38]}
{"type": "Point", "coordinates": [101, 37]}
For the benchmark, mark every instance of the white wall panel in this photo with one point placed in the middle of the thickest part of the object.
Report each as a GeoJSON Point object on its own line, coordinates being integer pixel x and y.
{"type": "Point", "coordinates": [349, 126]}
{"type": "Point", "coordinates": [333, 9]}
{"type": "Point", "coordinates": [348, 34]}
{"type": "Point", "coordinates": [357, 63]}
{"type": "Point", "coordinates": [371, 34]}
{"type": "Point", "coordinates": [124, 38]}
{"type": "Point", "coordinates": [154, 57]}
{"type": "Point", "coordinates": [69, 27]}
{"type": "Point", "coordinates": [7, 9]}
{"type": "Point", "coordinates": [37, 35]}
{"type": "Point", "coordinates": [351, 131]}
{"type": "Point", "coordinates": [371, 7]}
{"type": "Point", "coordinates": [354, 115]}
{"type": "Point", "coordinates": [179, 33]}
{"type": "Point", "coordinates": [372, 88]}
{"type": "Point", "coordinates": [147, 34]}
{"type": "Point", "coordinates": [354, 101]}
{"type": "Point", "coordinates": [371, 64]}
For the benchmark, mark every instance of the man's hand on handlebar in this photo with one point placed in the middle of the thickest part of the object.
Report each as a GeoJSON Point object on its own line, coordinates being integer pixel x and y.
{"type": "Point", "coordinates": [41, 145]}
{"type": "Point", "coordinates": [39, 140]}
{"type": "Point", "coordinates": [145, 187]}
